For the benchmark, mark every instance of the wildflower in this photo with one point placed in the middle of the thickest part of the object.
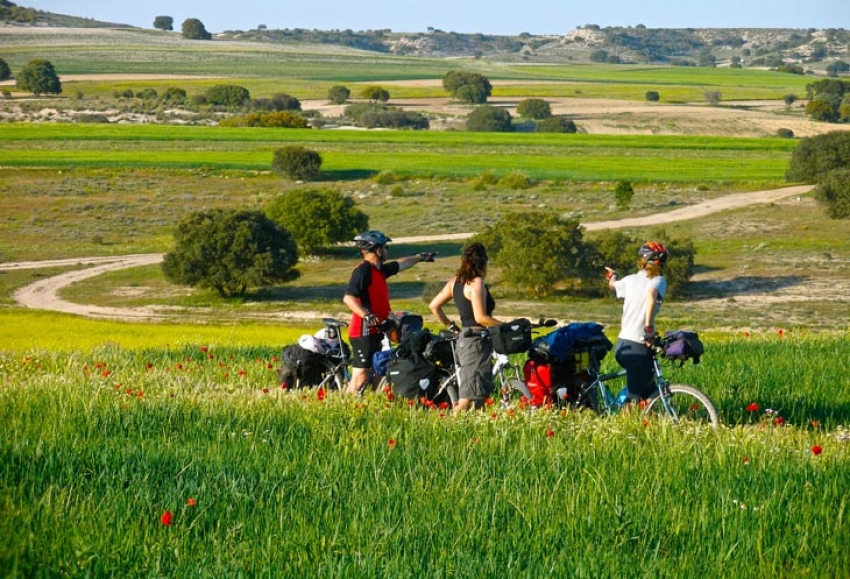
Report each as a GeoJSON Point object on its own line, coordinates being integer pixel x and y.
{"type": "Point", "coordinates": [320, 394]}
{"type": "Point", "coordinates": [779, 421]}
{"type": "Point", "coordinates": [284, 386]}
{"type": "Point", "coordinates": [265, 390]}
{"type": "Point", "coordinates": [444, 405]}
{"type": "Point", "coordinates": [494, 416]}
{"type": "Point", "coordinates": [392, 443]}
{"type": "Point", "coordinates": [645, 422]}
{"type": "Point", "coordinates": [191, 502]}
{"type": "Point", "coordinates": [780, 333]}
{"type": "Point", "coordinates": [165, 519]}
{"type": "Point", "coordinates": [752, 407]}
{"type": "Point", "coordinates": [550, 433]}
{"type": "Point", "coordinates": [148, 366]}
{"type": "Point", "coordinates": [746, 460]}
{"type": "Point", "coordinates": [817, 449]}
{"type": "Point", "coordinates": [204, 349]}
{"type": "Point", "coordinates": [489, 401]}
{"type": "Point", "coordinates": [815, 424]}
{"type": "Point", "coordinates": [390, 396]}
{"type": "Point", "coordinates": [746, 334]}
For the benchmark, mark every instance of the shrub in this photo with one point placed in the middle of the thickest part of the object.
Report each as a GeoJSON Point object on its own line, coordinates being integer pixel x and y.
{"type": "Point", "coordinates": [534, 109]}
{"type": "Point", "coordinates": [230, 251]}
{"type": "Point", "coordinates": [393, 118]}
{"type": "Point", "coordinates": [821, 110]}
{"type": "Point", "coordinates": [556, 124]}
{"type": "Point", "coordinates": [227, 95]}
{"type": "Point", "coordinates": [375, 94]}
{"type": "Point", "coordinates": [297, 163]}
{"type": "Point", "coordinates": [282, 119]}
{"type": "Point", "coordinates": [317, 218]}
{"type": "Point", "coordinates": [338, 94]}
{"type": "Point", "coordinates": [834, 192]}
{"type": "Point", "coordinates": [516, 181]}
{"type": "Point", "coordinates": [784, 133]}
{"type": "Point", "coordinates": [816, 156]}
{"type": "Point", "coordinates": [5, 71]}
{"type": "Point", "coordinates": [489, 119]}
{"type": "Point", "coordinates": [468, 87]}
{"type": "Point", "coordinates": [39, 77]}
{"type": "Point", "coordinates": [624, 193]}
{"type": "Point", "coordinates": [194, 29]}
{"type": "Point", "coordinates": [652, 96]}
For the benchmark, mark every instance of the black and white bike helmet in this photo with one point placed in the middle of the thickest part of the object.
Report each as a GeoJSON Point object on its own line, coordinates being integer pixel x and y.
{"type": "Point", "coordinates": [653, 251]}
{"type": "Point", "coordinates": [369, 240]}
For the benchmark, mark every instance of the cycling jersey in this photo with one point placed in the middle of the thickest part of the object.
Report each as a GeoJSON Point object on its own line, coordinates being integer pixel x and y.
{"type": "Point", "coordinates": [369, 285]}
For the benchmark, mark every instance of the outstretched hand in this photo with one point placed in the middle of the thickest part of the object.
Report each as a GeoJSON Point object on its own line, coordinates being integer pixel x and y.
{"type": "Point", "coordinates": [428, 256]}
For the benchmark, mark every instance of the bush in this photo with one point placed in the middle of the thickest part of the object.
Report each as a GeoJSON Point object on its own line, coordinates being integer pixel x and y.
{"type": "Point", "coordinates": [556, 124]}
{"type": "Point", "coordinates": [375, 94]}
{"type": "Point", "coordinates": [39, 77]}
{"type": "Point", "coordinates": [534, 250]}
{"type": "Point", "coordinates": [652, 96]}
{"type": "Point", "coordinates": [194, 29]}
{"type": "Point", "coordinates": [534, 109]}
{"type": "Point", "coordinates": [784, 133]}
{"type": "Point", "coordinates": [5, 71]}
{"type": "Point", "coordinates": [816, 156]}
{"type": "Point", "coordinates": [297, 163]}
{"type": "Point", "coordinates": [338, 94]}
{"type": "Point", "coordinates": [393, 118]}
{"type": "Point", "coordinates": [516, 181]}
{"type": "Point", "coordinates": [624, 193]}
{"type": "Point", "coordinates": [317, 218]}
{"type": "Point", "coordinates": [280, 119]}
{"type": "Point", "coordinates": [489, 119]}
{"type": "Point", "coordinates": [821, 110]}
{"type": "Point", "coordinates": [834, 192]}
{"type": "Point", "coordinates": [230, 251]}
{"type": "Point", "coordinates": [230, 96]}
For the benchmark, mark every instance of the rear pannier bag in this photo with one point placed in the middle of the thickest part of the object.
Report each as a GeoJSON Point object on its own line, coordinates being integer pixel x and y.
{"type": "Point", "coordinates": [683, 345]}
{"type": "Point", "coordinates": [403, 322]}
{"type": "Point", "coordinates": [571, 345]}
{"type": "Point", "coordinates": [300, 368]}
{"type": "Point", "coordinates": [512, 337]}
{"type": "Point", "coordinates": [412, 377]}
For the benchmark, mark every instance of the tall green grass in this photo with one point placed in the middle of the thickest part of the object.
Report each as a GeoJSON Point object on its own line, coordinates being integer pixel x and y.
{"type": "Point", "coordinates": [99, 444]}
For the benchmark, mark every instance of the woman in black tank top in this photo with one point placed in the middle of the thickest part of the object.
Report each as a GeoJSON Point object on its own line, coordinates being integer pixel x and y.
{"type": "Point", "coordinates": [475, 306]}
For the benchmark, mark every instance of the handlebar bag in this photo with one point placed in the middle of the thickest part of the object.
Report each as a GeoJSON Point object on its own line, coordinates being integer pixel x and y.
{"type": "Point", "coordinates": [512, 337]}
{"type": "Point", "coordinates": [683, 345]}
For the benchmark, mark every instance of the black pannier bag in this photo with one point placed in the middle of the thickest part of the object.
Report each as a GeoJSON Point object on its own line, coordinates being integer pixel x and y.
{"type": "Point", "coordinates": [403, 322]}
{"type": "Point", "coordinates": [513, 337]}
{"type": "Point", "coordinates": [683, 345]}
{"type": "Point", "coordinates": [439, 351]}
{"type": "Point", "coordinates": [300, 368]}
{"type": "Point", "coordinates": [412, 376]}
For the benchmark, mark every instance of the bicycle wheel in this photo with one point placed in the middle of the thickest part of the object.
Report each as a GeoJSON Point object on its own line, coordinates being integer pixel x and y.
{"type": "Point", "coordinates": [684, 404]}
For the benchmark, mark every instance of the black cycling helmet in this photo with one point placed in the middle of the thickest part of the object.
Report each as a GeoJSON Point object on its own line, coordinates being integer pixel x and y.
{"type": "Point", "coordinates": [369, 240]}
{"type": "Point", "coordinates": [653, 251]}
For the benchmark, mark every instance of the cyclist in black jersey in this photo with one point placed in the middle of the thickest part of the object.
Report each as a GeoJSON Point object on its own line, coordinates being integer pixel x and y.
{"type": "Point", "coordinates": [475, 306]}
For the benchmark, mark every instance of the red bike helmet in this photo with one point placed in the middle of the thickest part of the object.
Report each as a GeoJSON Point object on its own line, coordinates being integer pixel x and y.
{"type": "Point", "coordinates": [653, 251]}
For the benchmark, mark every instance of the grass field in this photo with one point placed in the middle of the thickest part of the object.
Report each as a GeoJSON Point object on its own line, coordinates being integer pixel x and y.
{"type": "Point", "coordinates": [190, 461]}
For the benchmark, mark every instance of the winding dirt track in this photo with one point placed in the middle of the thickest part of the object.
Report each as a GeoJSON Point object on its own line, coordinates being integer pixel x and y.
{"type": "Point", "coordinates": [44, 294]}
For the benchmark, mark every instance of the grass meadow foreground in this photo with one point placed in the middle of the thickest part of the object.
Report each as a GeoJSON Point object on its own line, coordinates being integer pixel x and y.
{"type": "Point", "coordinates": [190, 461]}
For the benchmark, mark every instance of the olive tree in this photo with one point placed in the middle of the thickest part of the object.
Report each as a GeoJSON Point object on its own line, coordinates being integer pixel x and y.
{"type": "Point", "coordinates": [163, 23]}
{"type": "Point", "coordinates": [375, 93]}
{"type": "Point", "coordinates": [227, 95]}
{"type": "Point", "coordinates": [230, 251]}
{"type": "Point", "coordinates": [317, 218]}
{"type": "Point", "coordinates": [816, 156]}
{"type": "Point", "coordinates": [468, 87]}
{"type": "Point", "coordinates": [39, 77]}
{"type": "Point", "coordinates": [194, 29]}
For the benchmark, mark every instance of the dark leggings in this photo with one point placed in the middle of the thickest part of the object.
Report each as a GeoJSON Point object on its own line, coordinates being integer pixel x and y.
{"type": "Point", "coordinates": [636, 359]}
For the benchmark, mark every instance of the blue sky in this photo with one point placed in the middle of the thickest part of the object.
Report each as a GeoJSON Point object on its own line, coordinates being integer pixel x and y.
{"type": "Point", "coordinates": [485, 16]}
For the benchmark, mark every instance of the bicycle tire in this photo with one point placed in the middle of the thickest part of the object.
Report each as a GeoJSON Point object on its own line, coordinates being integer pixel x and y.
{"type": "Point", "coordinates": [689, 404]}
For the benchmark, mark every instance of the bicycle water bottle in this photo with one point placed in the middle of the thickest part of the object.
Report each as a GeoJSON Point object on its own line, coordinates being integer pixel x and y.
{"type": "Point", "coordinates": [623, 396]}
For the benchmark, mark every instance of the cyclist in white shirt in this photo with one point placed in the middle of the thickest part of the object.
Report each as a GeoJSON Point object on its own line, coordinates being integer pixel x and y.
{"type": "Point", "coordinates": [643, 293]}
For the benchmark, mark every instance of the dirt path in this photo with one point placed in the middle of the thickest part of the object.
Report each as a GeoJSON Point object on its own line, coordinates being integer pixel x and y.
{"type": "Point", "coordinates": [44, 294]}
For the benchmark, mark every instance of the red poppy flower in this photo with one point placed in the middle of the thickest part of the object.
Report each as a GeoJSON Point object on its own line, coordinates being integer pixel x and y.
{"type": "Point", "coordinates": [320, 394]}
{"type": "Point", "coordinates": [444, 405]}
{"type": "Point", "coordinates": [489, 402]}
{"type": "Point", "coordinates": [817, 449]}
{"type": "Point", "coordinates": [165, 519]}
{"type": "Point", "coordinates": [191, 502]}
{"type": "Point", "coordinates": [752, 407]}
{"type": "Point", "coordinates": [781, 332]}
{"type": "Point", "coordinates": [550, 433]}
{"type": "Point", "coordinates": [746, 334]}
{"type": "Point", "coordinates": [779, 421]}
{"type": "Point", "coordinates": [284, 386]}
{"type": "Point", "coordinates": [392, 443]}
{"type": "Point", "coordinates": [746, 460]}
{"type": "Point", "coordinates": [265, 390]}
{"type": "Point", "coordinates": [148, 366]}
{"type": "Point", "coordinates": [390, 396]}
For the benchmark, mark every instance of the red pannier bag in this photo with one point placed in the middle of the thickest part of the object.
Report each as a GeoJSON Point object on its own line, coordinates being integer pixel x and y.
{"type": "Point", "coordinates": [538, 379]}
